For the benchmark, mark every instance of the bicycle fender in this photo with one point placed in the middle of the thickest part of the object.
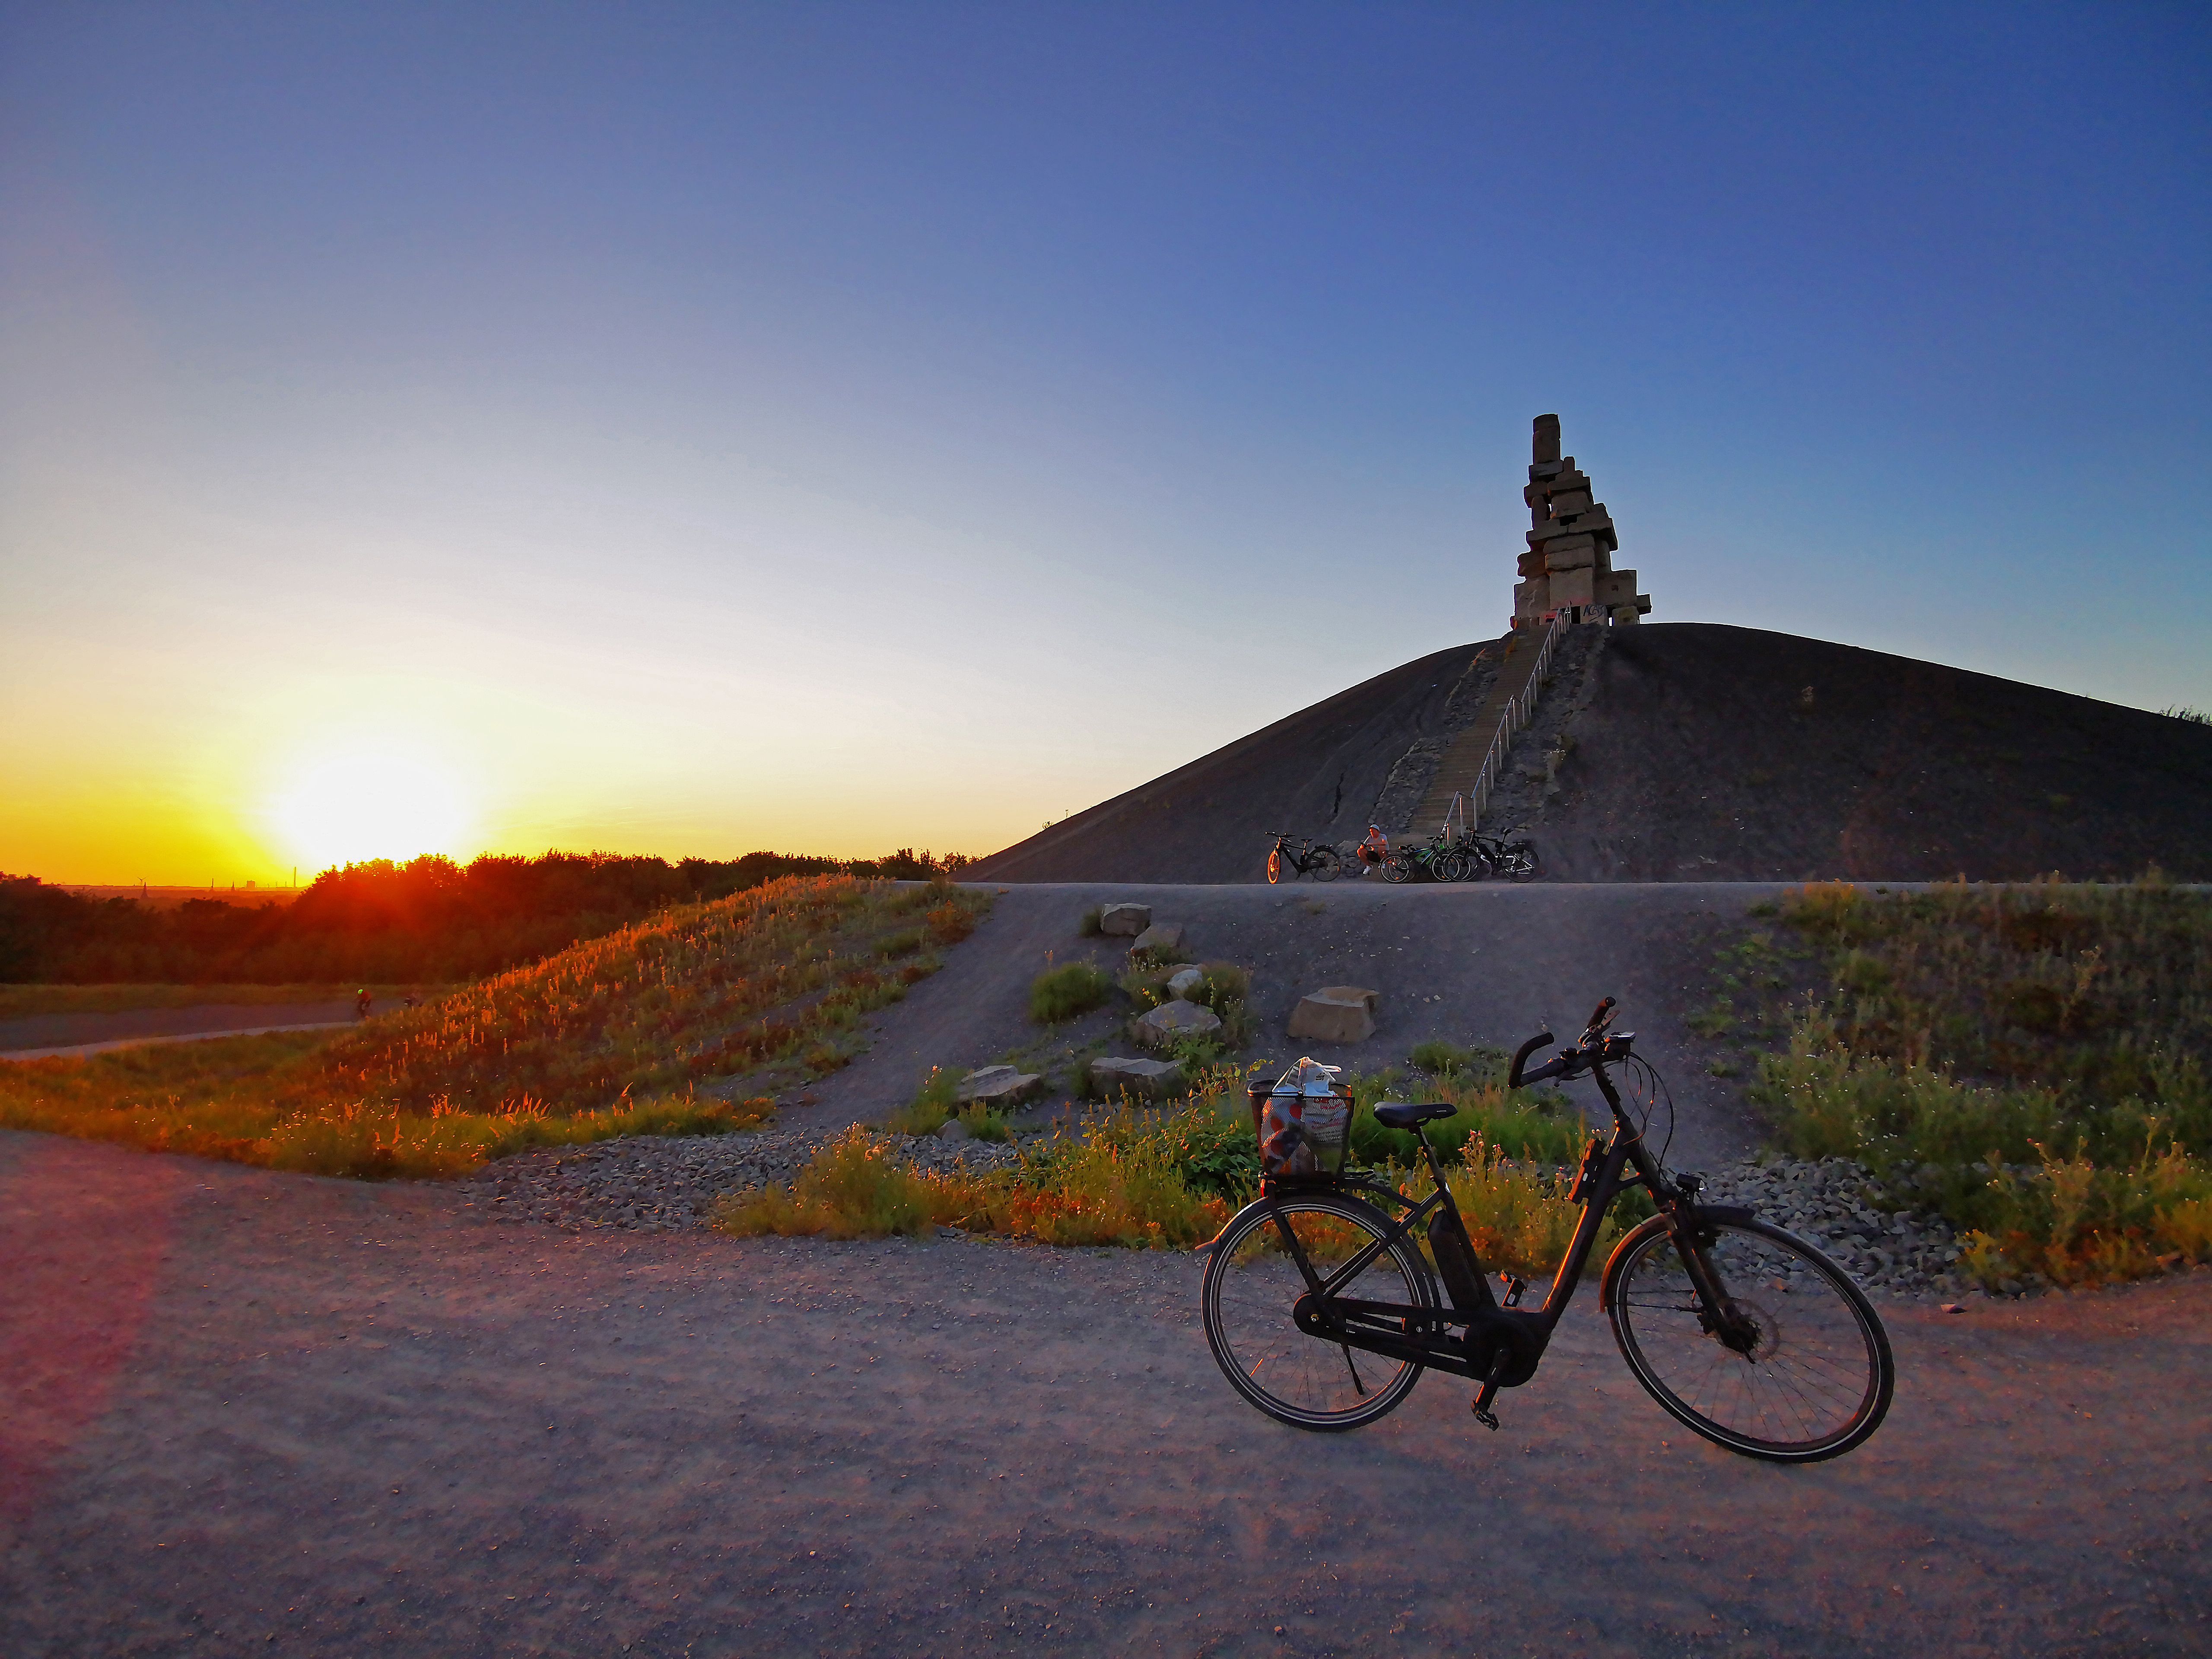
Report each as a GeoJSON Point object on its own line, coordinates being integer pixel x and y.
{"type": "Point", "coordinates": [1734, 1212]}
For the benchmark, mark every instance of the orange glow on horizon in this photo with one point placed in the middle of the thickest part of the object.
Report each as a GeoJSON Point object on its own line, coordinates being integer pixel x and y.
{"type": "Point", "coordinates": [371, 803]}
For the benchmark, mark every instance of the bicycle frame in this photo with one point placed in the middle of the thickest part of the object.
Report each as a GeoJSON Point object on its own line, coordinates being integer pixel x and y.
{"type": "Point", "coordinates": [1503, 1343]}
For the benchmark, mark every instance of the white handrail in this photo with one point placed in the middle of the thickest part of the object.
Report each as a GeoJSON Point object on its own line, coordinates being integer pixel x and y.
{"type": "Point", "coordinates": [1516, 715]}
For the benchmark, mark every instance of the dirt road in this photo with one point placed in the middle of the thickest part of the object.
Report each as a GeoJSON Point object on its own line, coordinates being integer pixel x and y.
{"type": "Point", "coordinates": [242, 1412]}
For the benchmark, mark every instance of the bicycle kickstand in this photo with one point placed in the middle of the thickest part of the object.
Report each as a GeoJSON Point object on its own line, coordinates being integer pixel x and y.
{"type": "Point", "coordinates": [1483, 1414]}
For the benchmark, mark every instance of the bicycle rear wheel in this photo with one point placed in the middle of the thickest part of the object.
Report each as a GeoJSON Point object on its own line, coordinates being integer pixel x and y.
{"type": "Point", "coordinates": [1324, 863]}
{"type": "Point", "coordinates": [1397, 867]}
{"type": "Point", "coordinates": [1253, 1287]}
{"type": "Point", "coordinates": [1797, 1366]}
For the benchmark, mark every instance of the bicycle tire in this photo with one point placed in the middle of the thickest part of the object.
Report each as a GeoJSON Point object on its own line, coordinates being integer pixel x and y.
{"type": "Point", "coordinates": [1326, 864]}
{"type": "Point", "coordinates": [1523, 860]}
{"type": "Point", "coordinates": [1246, 1305]}
{"type": "Point", "coordinates": [1451, 867]}
{"type": "Point", "coordinates": [1274, 866]}
{"type": "Point", "coordinates": [1397, 867]}
{"type": "Point", "coordinates": [1820, 1376]}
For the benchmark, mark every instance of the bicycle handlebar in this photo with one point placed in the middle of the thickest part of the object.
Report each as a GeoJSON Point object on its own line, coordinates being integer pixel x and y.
{"type": "Point", "coordinates": [1514, 1079]}
{"type": "Point", "coordinates": [1593, 1047]}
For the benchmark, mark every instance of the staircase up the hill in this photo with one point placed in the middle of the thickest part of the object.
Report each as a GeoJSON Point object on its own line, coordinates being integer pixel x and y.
{"type": "Point", "coordinates": [1460, 770]}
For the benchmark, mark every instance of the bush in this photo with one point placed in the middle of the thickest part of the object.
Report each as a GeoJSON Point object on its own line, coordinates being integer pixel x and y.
{"type": "Point", "coordinates": [1518, 1219]}
{"type": "Point", "coordinates": [1089, 926]}
{"type": "Point", "coordinates": [1227, 989]}
{"type": "Point", "coordinates": [853, 1189]}
{"type": "Point", "coordinates": [934, 1105]}
{"type": "Point", "coordinates": [1540, 1127]}
{"type": "Point", "coordinates": [1478, 1064]}
{"type": "Point", "coordinates": [982, 1122]}
{"type": "Point", "coordinates": [951, 922]}
{"type": "Point", "coordinates": [1063, 992]}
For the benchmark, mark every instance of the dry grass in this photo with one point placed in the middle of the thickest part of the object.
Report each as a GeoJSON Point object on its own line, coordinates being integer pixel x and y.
{"type": "Point", "coordinates": [1091, 1193]}
{"type": "Point", "coordinates": [607, 1038]}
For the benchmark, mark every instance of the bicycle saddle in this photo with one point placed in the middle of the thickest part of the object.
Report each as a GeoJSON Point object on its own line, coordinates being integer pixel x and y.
{"type": "Point", "coordinates": [1397, 1114]}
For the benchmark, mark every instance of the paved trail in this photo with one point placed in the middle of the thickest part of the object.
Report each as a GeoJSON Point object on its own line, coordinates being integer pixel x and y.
{"type": "Point", "coordinates": [242, 1412]}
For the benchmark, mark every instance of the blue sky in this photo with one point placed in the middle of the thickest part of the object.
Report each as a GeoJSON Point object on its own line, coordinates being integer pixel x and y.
{"type": "Point", "coordinates": [701, 427]}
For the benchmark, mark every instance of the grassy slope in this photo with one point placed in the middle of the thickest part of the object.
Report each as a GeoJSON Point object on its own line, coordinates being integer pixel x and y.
{"type": "Point", "coordinates": [612, 1036]}
{"type": "Point", "coordinates": [2031, 1059]}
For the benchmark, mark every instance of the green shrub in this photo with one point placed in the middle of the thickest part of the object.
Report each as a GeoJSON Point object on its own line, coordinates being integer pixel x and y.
{"type": "Point", "coordinates": [1478, 1064]}
{"type": "Point", "coordinates": [1089, 926]}
{"type": "Point", "coordinates": [905, 943]}
{"type": "Point", "coordinates": [1542, 1127]}
{"type": "Point", "coordinates": [1070, 989]}
{"type": "Point", "coordinates": [935, 1103]}
{"type": "Point", "coordinates": [982, 1122]}
{"type": "Point", "coordinates": [853, 1189]}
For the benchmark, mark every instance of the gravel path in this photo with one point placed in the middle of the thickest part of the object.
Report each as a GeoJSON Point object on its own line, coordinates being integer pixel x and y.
{"type": "Point", "coordinates": [243, 1412]}
{"type": "Point", "coordinates": [656, 1183]}
{"type": "Point", "coordinates": [664, 1184]}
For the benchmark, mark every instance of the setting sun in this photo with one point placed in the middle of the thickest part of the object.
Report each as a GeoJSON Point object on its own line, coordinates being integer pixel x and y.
{"type": "Point", "coordinates": [369, 804]}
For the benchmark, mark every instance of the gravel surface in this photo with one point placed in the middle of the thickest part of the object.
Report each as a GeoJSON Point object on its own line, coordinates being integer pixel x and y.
{"type": "Point", "coordinates": [250, 1412]}
{"type": "Point", "coordinates": [1838, 1204]}
{"type": "Point", "coordinates": [664, 1183]}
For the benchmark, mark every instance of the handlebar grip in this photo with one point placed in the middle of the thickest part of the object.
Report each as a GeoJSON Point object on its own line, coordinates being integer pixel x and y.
{"type": "Point", "coordinates": [1604, 1009]}
{"type": "Point", "coordinates": [1513, 1078]}
{"type": "Point", "coordinates": [1550, 1068]}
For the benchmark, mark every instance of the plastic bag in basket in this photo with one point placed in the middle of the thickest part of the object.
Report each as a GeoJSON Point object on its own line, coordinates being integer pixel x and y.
{"type": "Point", "coordinates": [1302, 1123]}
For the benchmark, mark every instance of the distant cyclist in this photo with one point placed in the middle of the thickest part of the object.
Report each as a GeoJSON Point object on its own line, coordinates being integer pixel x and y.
{"type": "Point", "coordinates": [361, 1004]}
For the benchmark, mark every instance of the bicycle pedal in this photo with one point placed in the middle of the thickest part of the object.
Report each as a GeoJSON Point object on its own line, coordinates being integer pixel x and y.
{"type": "Point", "coordinates": [1488, 1419]}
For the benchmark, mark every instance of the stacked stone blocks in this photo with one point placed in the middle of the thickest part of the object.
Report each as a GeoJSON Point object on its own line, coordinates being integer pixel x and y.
{"type": "Point", "coordinates": [1568, 565]}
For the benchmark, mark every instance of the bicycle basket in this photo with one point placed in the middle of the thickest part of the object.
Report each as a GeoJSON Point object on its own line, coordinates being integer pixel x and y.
{"type": "Point", "coordinates": [1302, 1123]}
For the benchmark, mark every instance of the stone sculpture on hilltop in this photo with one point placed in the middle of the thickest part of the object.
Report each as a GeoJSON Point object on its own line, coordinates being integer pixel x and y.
{"type": "Point", "coordinates": [1569, 563]}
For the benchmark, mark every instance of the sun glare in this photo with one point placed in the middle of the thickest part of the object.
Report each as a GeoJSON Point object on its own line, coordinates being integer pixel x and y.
{"type": "Point", "coordinates": [342, 809]}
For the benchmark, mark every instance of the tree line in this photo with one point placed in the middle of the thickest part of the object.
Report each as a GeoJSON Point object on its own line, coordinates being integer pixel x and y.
{"type": "Point", "coordinates": [429, 920]}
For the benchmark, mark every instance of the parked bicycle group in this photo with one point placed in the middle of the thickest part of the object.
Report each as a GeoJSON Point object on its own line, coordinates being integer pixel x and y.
{"type": "Point", "coordinates": [1448, 855]}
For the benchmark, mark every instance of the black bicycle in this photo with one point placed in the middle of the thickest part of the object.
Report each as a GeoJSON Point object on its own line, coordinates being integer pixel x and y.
{"type": "Point", "coordinates": [1489, 855]}
{"type": "Point", "coordinates": [1288, 859]}
{"type": "Point", "coordinates": [1321, 1306]}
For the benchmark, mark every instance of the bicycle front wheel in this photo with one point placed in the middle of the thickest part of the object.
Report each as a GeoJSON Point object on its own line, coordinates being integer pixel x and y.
{"type": "Point", "coordinates": [1324, 863]}
{"type": "Point", "coordinates": [1253, 1287]}
{"type": "Point", "coordinates": [1795, 1365]}
{"type": "Point", "coordinates": [1274, 866]}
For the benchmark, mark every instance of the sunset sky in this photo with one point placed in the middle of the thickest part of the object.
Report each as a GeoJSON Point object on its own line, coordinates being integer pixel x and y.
{"type": "Point", "coordinates": [689, 430]}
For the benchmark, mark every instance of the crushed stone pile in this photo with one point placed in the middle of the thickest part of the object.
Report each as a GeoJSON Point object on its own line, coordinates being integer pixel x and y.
{"type": "Point", "coordinates": [665, 1183]}
{"type": "Point", "coordinates": [1900, 1250]}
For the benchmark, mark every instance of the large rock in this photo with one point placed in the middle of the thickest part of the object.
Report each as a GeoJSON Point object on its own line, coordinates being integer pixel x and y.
{"type": "Point", "coordinates": [1162, 939]}
{"type": "Point", "coordinates": [996, 1085]}
{"type": "Point", "coordinates": [1157, 1027]}
{"type": "Point", "coordinates": [1335, 1013]}
{"type": "Point", "coordinates": [1151, 1080]}
{"type": "Point", "coordinates": [1127, 920]}
{"type": "Point", "coordinates": [1184, 983]}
